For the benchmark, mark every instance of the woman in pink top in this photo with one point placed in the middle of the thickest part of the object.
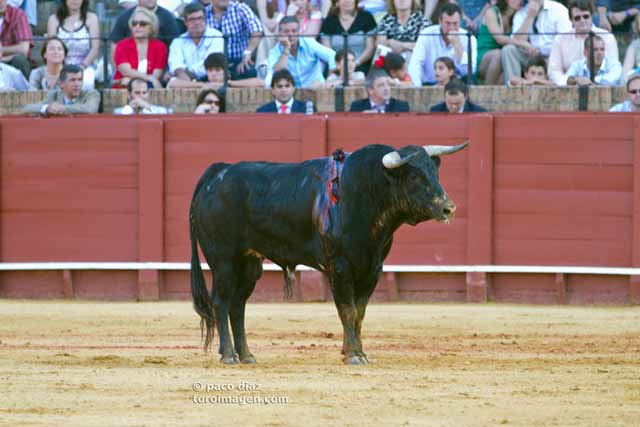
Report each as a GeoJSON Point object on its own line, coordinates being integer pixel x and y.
{"type": "Point", "coordinates": [141, 55]}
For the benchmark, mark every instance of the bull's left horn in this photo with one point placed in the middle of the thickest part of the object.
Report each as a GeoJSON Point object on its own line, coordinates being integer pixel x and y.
{"type": "Point", "coordinates": [393, 159]}
{"type": "Point", "coordinates": [443, 150]}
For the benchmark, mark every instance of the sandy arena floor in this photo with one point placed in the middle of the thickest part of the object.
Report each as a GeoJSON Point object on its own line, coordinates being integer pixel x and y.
{"type": "Point", "coordinates": [114, 364]}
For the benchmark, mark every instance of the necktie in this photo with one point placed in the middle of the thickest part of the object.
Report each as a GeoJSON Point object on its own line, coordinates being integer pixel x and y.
{"type": "Point", "coordinates": [283, 109]}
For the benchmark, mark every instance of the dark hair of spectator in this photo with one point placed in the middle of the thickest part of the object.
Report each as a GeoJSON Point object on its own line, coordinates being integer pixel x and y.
{"type": "Point", "coordinates": [448, 62]}
{"type": "Point", "coordinates": [342, 53]}
{"type": "Point", "coordinates": [449, 9]}
{"type": "Point", "coordinates": [63, 11]}
{"type": "Point", "coordinates": [455, 86]}
{"type": "Point", "coordinates": [587, 40]}
{"type": "Point", "coordinates": [69, 69]}
{"type": "Point", "coordinates": [206, 92]}
{"type": "Point", "coordinates": [374, 74]}
{"type": "Point", "coordinates": [393, 61]}
{"type": "Point", "coordinates": [192, 8]}
{"type": "Point", "coordinates": [335, 8]}
{"type": "Point", "coordinates": [217, 60]}
{"type": "Point", "coordinates": [46, 43]}
{"type": "Point", "coordinates": [283, 74]}
{"type": "Point", "coordinates": [586, 5]}
{"type": "Point", "coordinates": [132, 81]}
{"type": "Point", "coordinates": [536, 61]}
{"type": "Point", "coordinates": [288, 20]}
{"type": "Point", "coordinates": [391, 7]}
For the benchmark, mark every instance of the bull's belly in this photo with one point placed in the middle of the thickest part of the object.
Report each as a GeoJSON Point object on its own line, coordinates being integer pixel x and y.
{"type": "Point", "coordinates": [285, 254]}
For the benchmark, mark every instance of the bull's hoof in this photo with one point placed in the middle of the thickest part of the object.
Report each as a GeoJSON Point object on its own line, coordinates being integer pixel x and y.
{"type": "Point", "coordinates": [364, 359]}
{"type": "Point", "coordinates": [353, 360]}
{"type": "Point", "coordinates": [230, 360]}
{"type": "Point", "coordinates": [248, 360]}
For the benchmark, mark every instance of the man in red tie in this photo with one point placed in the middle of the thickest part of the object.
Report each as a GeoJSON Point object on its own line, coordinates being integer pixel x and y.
{"type": "Point", "coordinates": [283, 88]}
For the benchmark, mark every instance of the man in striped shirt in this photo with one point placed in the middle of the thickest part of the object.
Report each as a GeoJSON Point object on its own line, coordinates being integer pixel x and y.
{"type": "Point", "coordinates": [243, 30]}
{"type": "Point", "coordinates": [15, 38]}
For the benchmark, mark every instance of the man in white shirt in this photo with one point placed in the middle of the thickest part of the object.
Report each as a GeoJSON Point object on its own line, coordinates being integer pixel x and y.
{"type": "Point", "coordinates": [188, 51]}
{"type": "Point", "coordinates": [568, 48]}
{"type": "Point", "coordinates": [446, 39]}
{"type": "Point", "coordinates": [138, 93]}
{"type": "Point", "coordinates": [537, 24]}
{"type": "Point", "coordinates": [633, 103]}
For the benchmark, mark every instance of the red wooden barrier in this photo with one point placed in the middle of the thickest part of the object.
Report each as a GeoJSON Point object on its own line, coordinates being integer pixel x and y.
{"type": "Point", "coordinates": [532, 189]}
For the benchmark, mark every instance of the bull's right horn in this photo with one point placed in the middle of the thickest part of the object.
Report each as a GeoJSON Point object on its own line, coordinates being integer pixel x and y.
{"type": "Point", "coordinates": [443, 150]}
{"type": "Point", "coordinates": [393, 160]}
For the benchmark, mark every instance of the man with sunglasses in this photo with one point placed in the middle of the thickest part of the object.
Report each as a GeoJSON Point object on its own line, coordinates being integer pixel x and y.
{"type": "Point", "coordinates": [632, 104]}
{"type": "Point", "coordinates": [569, 48]}
{"type": "Point", "coordinates": [536, 23]}
{"type": "Point", "coordinates": [189, 51]}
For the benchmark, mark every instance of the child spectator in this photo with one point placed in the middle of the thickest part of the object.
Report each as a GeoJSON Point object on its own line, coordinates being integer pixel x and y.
{"type": "Point", "coordinates": [355, 77]}
{"type": "Point", "coordinates": [79, 29]}
{"type": "Point", "coordinates": [395, 65]}
{"type": "Point", "coordinates": [45, 77]}
{"type": "Point", "coordinates": [217, 76]}
{"type": "Point", "coordinates": [444, 70]}
{"type": "Point", "coordinates": [534, 74]}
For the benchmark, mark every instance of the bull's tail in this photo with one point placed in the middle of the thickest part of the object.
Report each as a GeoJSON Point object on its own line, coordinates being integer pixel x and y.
{"type": "Point", "coordinates": [202, 303]}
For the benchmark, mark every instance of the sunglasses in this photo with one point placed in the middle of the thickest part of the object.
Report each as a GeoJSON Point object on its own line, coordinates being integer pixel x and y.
{"type": "Point", "coordinates": [212, 102]}
{"type": "Point", "coordinates": [634, 91]}
{"type": "Point", "coordinates": [140, 23]}
{"type": "Point", "coordinates": [581, 17]}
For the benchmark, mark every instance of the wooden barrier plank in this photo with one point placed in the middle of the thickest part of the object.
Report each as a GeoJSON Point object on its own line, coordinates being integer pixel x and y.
{"type": "Point", "coordinates": [634, 281]}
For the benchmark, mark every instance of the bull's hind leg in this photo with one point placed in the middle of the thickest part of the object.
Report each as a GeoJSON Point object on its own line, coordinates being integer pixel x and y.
{"type": "Point", "coordinates": [224, 282]}
{"type": "Point", "coordinates": [251, 271]}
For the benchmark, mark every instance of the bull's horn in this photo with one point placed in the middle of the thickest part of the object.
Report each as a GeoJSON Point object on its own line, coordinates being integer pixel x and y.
{"type": "Point", "coordinates": [393, 159]}
{"type": "Point", "coordinates": [443, 150]}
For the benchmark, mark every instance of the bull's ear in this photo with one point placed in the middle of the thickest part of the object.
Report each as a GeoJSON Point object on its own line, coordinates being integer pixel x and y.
{"type": "Point", "coordinates": [436, 160]}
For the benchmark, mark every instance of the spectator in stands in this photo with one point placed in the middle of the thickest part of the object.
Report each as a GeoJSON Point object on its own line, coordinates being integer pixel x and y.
{"type": "Point", "coordinates": [536, 23]}
{"type": "Point", "coordinates": [356, 78]}
{"type": "Point", "coordinates": [217, 77]}
{"type": "Point", "coordinates": [378, 85]}
{"type": "Point", "coordinates": [283, 88]}
{"type": "Point", "coordinates": [173, 6]}
{"type": "Point", "coordinates": [15, 38]}
{"type": "Point", "coordinates": [444, 70]}
{"type": "Point", "coordinates": [535, 74]}
{"type": "Point", "coordinates": [30, 8]}
{"type": "Point", "coordinates": [210, 101]}
{"type": "Point", "coordinates": [608, 71]}
{"type": "Point", "coordinates": [302, 56]}
{"type": "Point", "coordinates": [69, 98]}
{"type": "Point", "coordinates": [138, 100]}
{"type": "Point", "coordinates": [632, 104]}
{"type": "Point", "coordinates": [345, 16]}
{"type": "Point", "coordinates": [47, 76]}
{"type": "Point", "coordinates": [141, 55]}
{"type": "Point", "coordinates": [568, 48]}
{"type": "Point", "coordinates": [167, 26]}
{"type": "Point", "coordinates": [444, 39]}
{"type": "Point", "coordinates": [472, 11]}
{"type": "Point", "coordinates": [238, 22]}
{"type": "Point", "coordinates": [620, 14]}
{"type": "Point", "coordinates": [631, 62]}
{"type": "Point", "coordinates": [11, 79]}
{"type": "Point", "coordinates": [309, 17]}
{"type": "Point", "coordinates": [189, 51]}
{"type": "Point", "coordinates": [395, 65]}
{"type": "Point", "coordinates": [79, 29]}
{"type": "Point", "coordinates": [493, 34]}
{"type": "Point", "coordinates": [399, 29]}
{"type": "Point", "coordinates": [456, 100]}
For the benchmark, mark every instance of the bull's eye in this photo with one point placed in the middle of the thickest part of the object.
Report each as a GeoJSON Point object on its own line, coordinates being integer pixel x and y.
{"type": "Point", "coordinates": [416, 178]}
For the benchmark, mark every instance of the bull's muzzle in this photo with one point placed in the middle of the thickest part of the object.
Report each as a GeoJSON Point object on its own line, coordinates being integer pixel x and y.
{"type": "Point", "coordinates": [447, 209]}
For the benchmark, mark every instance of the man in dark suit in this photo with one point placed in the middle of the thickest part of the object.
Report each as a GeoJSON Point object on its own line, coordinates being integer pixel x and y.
{"type": "Point", "coordinates": [456, 100]}
{"type": "Point", "coordinates": [379, 101]}
{"type": "Point", "coordinates": [283, 88]}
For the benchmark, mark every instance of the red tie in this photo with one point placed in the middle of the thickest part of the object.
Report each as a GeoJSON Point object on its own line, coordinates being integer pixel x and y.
{"type": "Point", "coordinates": [283, 109]}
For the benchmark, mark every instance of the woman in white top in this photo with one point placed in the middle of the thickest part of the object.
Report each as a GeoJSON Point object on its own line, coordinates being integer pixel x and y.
{"type": "Point", "coordinates": [46, 76]}
{"type": "Point", "coordinates": [80, 31]}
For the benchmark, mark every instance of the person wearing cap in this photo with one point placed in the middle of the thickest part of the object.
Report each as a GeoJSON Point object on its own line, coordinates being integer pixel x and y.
{"type": "Point", "coordinates": [632, 104]}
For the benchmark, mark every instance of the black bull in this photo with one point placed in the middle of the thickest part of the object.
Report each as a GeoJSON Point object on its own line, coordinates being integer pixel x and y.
{"type": "Point", "coordinates": [337, 215]}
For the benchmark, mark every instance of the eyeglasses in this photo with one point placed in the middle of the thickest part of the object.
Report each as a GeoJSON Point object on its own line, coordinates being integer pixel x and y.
{"type": "Point", "coordinates": [634, 91]}
{"type": "Point", "coordinates": [140, 23]}
{"type": "Point", "coordinates": [581, 17]}
{"type": "Point", "coordinates": [212, 102]}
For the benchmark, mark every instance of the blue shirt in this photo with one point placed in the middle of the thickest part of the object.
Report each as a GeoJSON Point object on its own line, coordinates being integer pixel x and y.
{"type": "Point", "coordinates": [608, 75]}
{"type": "Point", "coordinates": [184, 54]}
{"type": "Point", "coordinates": [307, 66]}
